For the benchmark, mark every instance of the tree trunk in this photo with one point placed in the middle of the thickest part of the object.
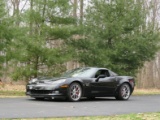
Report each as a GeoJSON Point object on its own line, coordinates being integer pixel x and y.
{"type": "Point", "coordinates": [31, 22]}
{"type": "Point", "coordinates": [75, 4]}
{"type": "Point", "coordinates": [36, 66]}
{"type": "Point", "coordinates": [16, 10]}
{"type": "Point", "coordinates": [81, 11]}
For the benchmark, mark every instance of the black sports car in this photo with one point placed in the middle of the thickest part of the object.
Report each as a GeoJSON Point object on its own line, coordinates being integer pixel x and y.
{"type": "Point", "coordinates": [87, 82]}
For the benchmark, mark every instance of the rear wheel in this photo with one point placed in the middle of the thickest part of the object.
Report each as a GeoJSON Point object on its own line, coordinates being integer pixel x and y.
{"type": "Point", "coordinates": [124, 92]}
{"type": "Point", "coordinates": [74, 92]}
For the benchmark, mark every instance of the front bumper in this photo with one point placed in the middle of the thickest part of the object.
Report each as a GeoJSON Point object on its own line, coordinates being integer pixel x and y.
{"type": "Point", "coordinates": [46, 92]}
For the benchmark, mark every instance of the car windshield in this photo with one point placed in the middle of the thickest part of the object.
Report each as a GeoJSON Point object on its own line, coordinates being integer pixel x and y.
{"type": "Point", "coordinates": [80, 72]}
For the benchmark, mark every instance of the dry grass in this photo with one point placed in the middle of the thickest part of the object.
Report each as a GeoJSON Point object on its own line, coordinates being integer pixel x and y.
{"type": "Point", "coordinates": [10, 87]}
{"type": "Point", "coordinates": [9, 90]}
{"type": "Point", "coordinates": [146, 91]}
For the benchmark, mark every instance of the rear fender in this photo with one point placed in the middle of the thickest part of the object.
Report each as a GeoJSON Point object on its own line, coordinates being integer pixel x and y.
{"type": "Point", "coordinates": [121, 83]}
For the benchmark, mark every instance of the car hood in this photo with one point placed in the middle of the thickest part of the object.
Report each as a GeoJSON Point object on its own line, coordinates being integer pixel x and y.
{"type": "Point", "coordinates": [45, 80]}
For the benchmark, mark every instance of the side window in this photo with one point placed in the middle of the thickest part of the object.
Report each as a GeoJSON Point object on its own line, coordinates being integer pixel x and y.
{"type": "Point", "coordinates": [97, 74]}
{"type": "Point", "coordinates": [112, 73]}
{"type": "Point", "coordinates": [102, 72]}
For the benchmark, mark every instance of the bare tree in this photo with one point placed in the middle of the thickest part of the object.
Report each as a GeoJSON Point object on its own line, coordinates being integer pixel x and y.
{"type": "Point", "coordinates": [15, 4]}
{"type": "Point", "coordinates": [149, 75]}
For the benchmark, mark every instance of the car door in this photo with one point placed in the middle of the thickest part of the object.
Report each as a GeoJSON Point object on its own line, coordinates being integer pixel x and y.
{"type": "Point", "coordinates": [104, 86]}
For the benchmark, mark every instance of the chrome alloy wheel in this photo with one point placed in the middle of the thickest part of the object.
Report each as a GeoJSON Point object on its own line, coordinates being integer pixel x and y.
{"type": "Point", "coordinates": [75, 92]}
{"type": "Point", "coordinates": [125, 91]}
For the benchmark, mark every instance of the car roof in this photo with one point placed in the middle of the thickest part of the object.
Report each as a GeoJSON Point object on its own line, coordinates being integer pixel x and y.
{"type": "Point", "coordinates": [95, 67]}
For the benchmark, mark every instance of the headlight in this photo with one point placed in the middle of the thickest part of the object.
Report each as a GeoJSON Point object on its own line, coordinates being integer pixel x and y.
{"type": "Point", "coordinates": [59, 81]}
{"type": "Point", "coordinates": [33, 80]}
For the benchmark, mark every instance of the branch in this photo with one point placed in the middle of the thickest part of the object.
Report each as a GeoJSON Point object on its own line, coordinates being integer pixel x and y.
{"type": "Point", "coordinates": [24, 5]}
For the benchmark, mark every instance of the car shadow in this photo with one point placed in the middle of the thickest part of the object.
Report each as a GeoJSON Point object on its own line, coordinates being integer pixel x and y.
{"type": "Point", "coordinates": [98, 99]}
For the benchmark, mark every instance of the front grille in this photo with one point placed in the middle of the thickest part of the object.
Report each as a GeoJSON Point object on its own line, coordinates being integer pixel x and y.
{"type": "Point", "coordinates": [40, 92]}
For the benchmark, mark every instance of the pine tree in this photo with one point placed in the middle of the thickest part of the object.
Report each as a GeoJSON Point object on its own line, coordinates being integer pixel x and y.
{"type": "Point", "coordinates": [40, 38]}
{"type": "Point", "coordinates": [5, 37]}
{"type": "Point", "coordinates": [115, 36]}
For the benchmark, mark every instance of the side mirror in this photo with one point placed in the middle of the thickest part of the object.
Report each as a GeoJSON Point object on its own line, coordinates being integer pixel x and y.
{"type": "Point", "coordinates": [100, 76]}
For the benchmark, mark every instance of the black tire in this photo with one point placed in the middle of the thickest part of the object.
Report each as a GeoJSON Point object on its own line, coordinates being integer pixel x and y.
{"type": "Point", "coordinates": [74, 92]}
{"type": "Point", "coordinates": [123, 92]}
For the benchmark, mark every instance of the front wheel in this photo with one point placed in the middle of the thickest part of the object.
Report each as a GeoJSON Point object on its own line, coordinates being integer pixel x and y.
{"type": "Point", "coordinates": [74, 92]}
{"type": "Point", "coordinates": [124, 92]}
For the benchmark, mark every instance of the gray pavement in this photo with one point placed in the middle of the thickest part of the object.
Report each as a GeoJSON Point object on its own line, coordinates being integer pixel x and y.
{"type": "Point", "coordinates": [27, 107]}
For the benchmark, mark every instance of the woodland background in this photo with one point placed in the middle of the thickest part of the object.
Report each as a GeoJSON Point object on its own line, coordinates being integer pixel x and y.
{"type": "Point", "coordinates": [48, 37]}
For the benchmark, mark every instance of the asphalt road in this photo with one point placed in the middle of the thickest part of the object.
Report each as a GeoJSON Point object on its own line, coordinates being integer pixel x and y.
{"type": "Point", "coordinates": [29, 108]}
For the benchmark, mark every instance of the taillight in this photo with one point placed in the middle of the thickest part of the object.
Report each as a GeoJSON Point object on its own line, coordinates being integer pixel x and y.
{"type": "Point", "coordinates": [131, 81]}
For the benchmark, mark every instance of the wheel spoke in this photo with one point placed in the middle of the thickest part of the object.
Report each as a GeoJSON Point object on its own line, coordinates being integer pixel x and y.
{"type": "Point", "coordinates": [125, 92]}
